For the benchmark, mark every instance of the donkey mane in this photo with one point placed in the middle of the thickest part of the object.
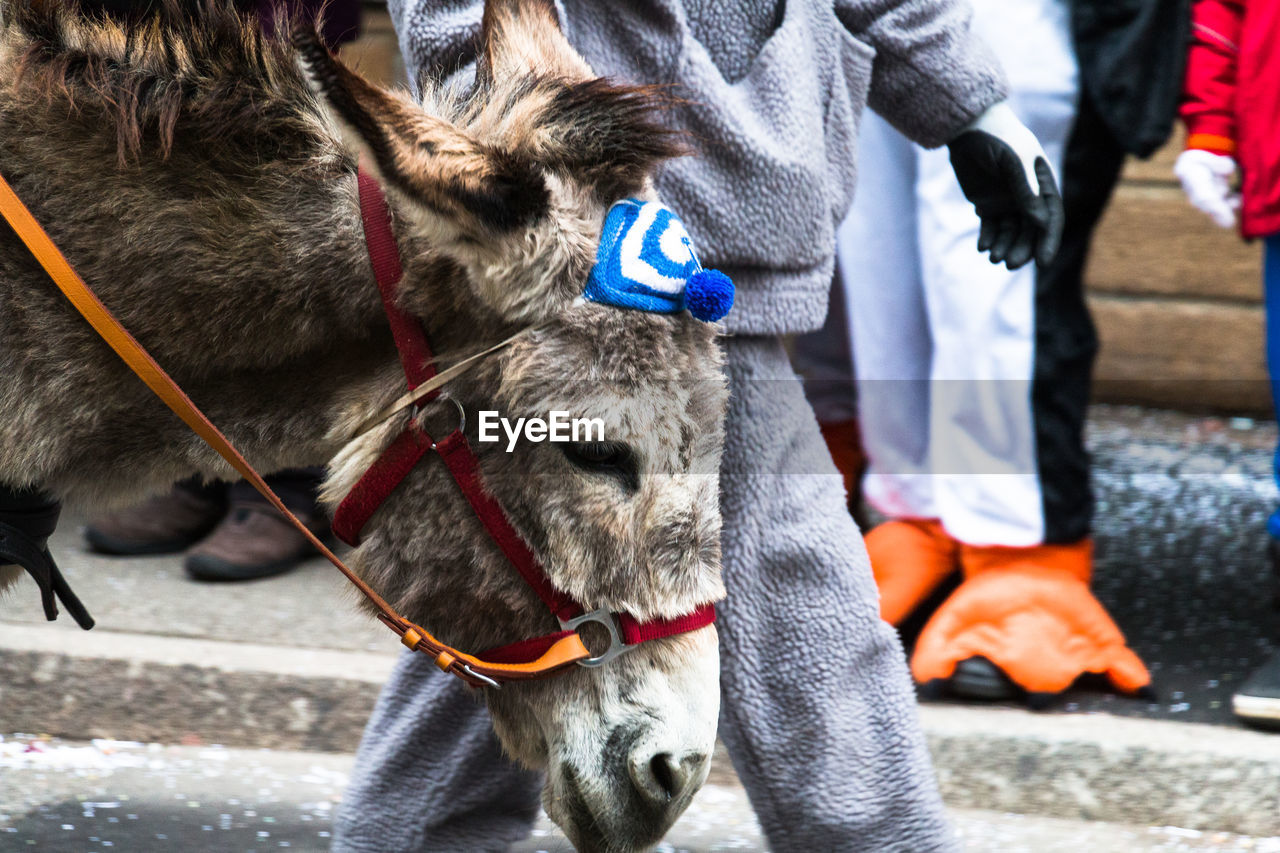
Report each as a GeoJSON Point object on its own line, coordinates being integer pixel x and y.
{"type": "Point", "coordinates": [200, 70]}
{"type": "Point", "coordinates": [201, 176]}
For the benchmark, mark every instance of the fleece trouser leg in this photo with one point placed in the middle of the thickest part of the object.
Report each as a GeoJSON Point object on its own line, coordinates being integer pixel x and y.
{"type": "Point", "coordinates": [818, 711]}
{"type": "Point", "coordinates": [430, 776]}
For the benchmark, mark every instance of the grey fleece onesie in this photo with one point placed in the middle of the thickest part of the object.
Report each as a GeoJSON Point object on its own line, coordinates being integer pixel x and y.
{"type": "Point", "coordinates": [817, 707]}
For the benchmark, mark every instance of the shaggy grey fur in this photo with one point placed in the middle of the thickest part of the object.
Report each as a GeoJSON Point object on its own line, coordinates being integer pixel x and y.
{"type": "Point", "coordinates": [203, 181]}
{"type": "Point", "coordinates": [199, 247]}
{"type": "Point", "coordinates": [773, 92]}
{"type": "Point", "coordinates": [817, 710]}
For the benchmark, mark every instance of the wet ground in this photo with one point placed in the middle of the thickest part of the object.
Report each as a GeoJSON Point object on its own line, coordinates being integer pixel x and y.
{"type": "Point", "coordinates": [65, 797]}
{"type": "Point", "coordinates": [1182, 555]}
{"type": "Point", "coordinates": [1182, 565]}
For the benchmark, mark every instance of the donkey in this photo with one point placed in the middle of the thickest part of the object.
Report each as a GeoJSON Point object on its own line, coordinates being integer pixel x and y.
{"type": "Point", "coordinates": [201, 176]}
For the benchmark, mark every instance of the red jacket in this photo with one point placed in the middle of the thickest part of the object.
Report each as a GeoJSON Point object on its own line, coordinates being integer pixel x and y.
{"type": "Point", "coordinates": [1232, 99]}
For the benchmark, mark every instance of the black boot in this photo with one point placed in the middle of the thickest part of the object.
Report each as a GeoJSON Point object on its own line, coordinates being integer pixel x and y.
{"type": "Point", "coordinates": [27, 520]}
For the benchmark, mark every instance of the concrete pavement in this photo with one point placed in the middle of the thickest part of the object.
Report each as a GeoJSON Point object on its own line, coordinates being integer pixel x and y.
{"type": "Point", "coordinates": [67, 796]}
{"type": "Point", "coordinates": [289, 663]}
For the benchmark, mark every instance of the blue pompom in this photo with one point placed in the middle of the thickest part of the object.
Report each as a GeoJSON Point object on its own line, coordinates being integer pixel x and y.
{"type": "Point", "coordinates": [708, 295]}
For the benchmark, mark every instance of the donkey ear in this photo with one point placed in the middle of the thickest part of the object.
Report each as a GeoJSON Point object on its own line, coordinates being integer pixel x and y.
{"type": "Point", "coordinates": [604, 134]}
{"type": "Point", "coordinates": [425, 157]}
{"type": "Point", "coordinates": [521, 38]}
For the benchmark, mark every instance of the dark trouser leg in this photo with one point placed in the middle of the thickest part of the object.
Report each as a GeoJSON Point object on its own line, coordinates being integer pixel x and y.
{"type": "Point", "coordinates": [1066, 341]}
{"type": "Point", "coordinates": [297, 487]}
{"type": "Point", "coordinates": [1271, 292]}
{"type": "Point", "coordinates": [1257, 702]}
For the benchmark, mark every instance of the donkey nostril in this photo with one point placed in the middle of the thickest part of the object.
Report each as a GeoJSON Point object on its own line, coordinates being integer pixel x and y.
{"type": "Point", "coordinates": [666, 773]}
{"type": "Point", "coordinates": [664, 778]}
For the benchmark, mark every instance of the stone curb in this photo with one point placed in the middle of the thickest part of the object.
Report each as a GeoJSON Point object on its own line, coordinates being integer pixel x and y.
{"type": "Point", "coordinates": [1093, 767]}
{"type": "Point", "coordinates": [176, 690]}
{"type": "Point", "coordinates": [1099, 767]}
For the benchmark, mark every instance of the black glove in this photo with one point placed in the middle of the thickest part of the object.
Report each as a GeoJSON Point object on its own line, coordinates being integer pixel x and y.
{"type": "Point", "coordinates": [1003, 170]}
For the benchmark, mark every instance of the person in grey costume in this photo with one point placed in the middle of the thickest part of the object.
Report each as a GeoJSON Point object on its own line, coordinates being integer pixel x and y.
{"type": "Point", "coordinates": [818, 712]}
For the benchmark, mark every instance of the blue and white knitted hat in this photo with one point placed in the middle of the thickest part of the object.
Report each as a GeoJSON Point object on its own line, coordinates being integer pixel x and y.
{"type": "Point", "coordinates": [646, 261]}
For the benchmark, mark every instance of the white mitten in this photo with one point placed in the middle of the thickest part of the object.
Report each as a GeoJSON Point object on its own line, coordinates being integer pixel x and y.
{"type": "Point", "coordinates": [1206, 179]}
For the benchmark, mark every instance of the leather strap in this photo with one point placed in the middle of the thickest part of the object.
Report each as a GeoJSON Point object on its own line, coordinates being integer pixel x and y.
{"type": "Point", "coordinates": [390, 469]}
{"type": "Point", "coordinates": [633, 633]}
{"type": "Point", "coordinates": [474, 671]}
{"type": "Point", "coordinates": [524, 649]}
{"type": "Point", "coordinates": [410, 337]}
{"type": "Point", "coordinates": [461, 460]}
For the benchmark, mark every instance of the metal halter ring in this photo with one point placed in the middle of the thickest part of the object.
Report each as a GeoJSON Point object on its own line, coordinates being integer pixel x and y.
{"type": "Point", "coordinates": [617, 645]}
{"type": "Point", "coordinates": [462, 417]}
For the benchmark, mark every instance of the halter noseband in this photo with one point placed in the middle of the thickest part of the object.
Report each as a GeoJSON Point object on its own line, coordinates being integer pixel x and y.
{"type": "Point", "coordinates": [409, 448]}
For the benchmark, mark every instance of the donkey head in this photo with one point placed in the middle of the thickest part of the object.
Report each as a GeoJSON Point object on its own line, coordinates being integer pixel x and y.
{"type": "Point", "coordinates": [498, 197]}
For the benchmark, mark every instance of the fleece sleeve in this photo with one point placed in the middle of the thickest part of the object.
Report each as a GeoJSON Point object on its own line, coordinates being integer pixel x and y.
{"type": "Point", "coordinates": [437, 38]}
{"type": "Point", "coordinates": [932, 75]}
{"type": "Point", "coordinates": [1210, 88]}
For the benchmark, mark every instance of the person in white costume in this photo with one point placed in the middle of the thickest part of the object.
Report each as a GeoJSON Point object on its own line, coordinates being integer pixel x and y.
{"type": "Point", "coordinates": [944, 351]}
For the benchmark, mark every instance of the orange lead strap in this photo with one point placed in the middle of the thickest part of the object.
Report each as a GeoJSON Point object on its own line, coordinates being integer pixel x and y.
{"type": "Point", "coordinates": [562, 653]}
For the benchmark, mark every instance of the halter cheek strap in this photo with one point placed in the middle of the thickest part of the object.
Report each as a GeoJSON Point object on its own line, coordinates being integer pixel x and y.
{"type": "Point", "coordinates": [409, 448]}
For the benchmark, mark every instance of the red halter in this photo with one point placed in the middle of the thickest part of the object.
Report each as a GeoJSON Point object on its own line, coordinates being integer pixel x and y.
{"type": "Point", "coordinates": [382, 478]}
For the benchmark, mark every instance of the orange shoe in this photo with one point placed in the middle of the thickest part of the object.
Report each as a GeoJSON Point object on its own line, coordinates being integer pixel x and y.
{"type": "Point", "coordinates": [1029, 612]}
{"type": "Point", "coordinates": [910, 557]}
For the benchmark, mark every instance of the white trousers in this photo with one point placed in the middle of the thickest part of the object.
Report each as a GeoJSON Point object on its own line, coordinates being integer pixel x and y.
{"type": "Point", "coordinates": [943, 341]}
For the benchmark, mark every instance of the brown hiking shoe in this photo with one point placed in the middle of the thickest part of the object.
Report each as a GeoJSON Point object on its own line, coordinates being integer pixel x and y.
{"type": "Point", "coordinates": [253, 541]}
{"type": "Point", "coordinates": [164, 524]}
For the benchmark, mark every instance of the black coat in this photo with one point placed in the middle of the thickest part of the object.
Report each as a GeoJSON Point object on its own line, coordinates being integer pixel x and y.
{"type": "Point", "coordinates": [1132, 55]}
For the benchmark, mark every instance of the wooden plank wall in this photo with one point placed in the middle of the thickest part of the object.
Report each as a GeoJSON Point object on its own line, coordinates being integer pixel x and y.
{"type": "Point", "coordinates": [1177, 301]}
{"type": "Point", "coordinates": [376, 54]}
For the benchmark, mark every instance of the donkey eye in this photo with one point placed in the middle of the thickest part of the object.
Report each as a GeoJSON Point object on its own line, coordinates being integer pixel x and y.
{"type": "Point", "coordinates": [597, 454]}
{"type": "Point", "coordinates": [605, 457]}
